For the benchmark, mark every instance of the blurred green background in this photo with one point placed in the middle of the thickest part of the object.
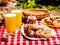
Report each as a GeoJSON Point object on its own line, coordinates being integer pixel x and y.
{"type": "Point", "coordinates": [44, 4]}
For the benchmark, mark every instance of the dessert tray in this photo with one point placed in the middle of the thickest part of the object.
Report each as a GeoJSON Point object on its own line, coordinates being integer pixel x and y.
{"type": "Point", "coordinates": [53, 21]}
{"type": "Point", "coordinates": [37, 38]}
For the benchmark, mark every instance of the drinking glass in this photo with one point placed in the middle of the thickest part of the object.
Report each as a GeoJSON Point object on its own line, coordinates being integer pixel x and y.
{"type": "Point", "coordinates": [10, 23]}
{"type": "Point", "coordinates": [18, 12]}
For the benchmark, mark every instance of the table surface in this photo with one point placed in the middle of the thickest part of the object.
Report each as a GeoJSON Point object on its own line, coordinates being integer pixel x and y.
{"type": "Point", "coordinates": [18, 39]}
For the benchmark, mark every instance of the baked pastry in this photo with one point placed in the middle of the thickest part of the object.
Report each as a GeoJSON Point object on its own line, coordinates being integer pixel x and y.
{"type": "Point", "coordinates": [3, 3]}
{"type": "Point", "coordinates": [48, 21]}
{"type": "Point", "coordinates": [38, 34]}
{"type": "Point", "coordinates": [47, 31]}
{"type": "Point", "coordinates": [47, 36]}
{"type": "Point", "coordinates": [25, 28]}
{"type": "Point", "coordinates": [53, 18]}
{"type": "Point", "coordinates": [31, 19]}
{"type": "Point", "coordinates": [29, 27]}
{"type": "Point", "coordinates": [56, 23]}
{"type": "Point", "coordinates": [30, 33]}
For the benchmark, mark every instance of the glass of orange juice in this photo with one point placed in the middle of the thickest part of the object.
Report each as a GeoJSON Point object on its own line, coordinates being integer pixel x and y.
{"type": "Point", "coordinates": [18, 17]}
{"type": "Point", "coordinates": [10, 23]}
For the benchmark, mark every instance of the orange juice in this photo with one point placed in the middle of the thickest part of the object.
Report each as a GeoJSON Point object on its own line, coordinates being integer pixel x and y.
{"type": "Point", "coordinates": [18, 17]}
{"type": "Point", "coordinates": [10, 22]}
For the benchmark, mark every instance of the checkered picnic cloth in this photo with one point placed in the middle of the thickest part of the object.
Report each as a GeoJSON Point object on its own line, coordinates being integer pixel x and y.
{"type": "Point", "coordinates": [18, 39]}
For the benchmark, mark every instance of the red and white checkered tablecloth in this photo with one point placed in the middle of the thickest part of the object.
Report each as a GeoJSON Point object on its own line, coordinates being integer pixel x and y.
{"type": "Point", "coordinates": [18, 39]}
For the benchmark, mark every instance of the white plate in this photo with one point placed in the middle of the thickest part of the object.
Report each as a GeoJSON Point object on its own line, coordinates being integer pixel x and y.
{"type": "Point", "coordinates": [53, 33]}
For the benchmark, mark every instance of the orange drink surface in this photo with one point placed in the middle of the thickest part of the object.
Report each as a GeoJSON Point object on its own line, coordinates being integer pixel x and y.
{"type": "Point", "coordinates": [10, 22]}
{"type": "Point", "coordinates": [18, 17]}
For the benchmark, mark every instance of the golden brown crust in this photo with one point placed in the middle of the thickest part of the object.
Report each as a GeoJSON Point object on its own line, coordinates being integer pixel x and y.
{"type": "Point", "coordinates": [55, 22]}
{"type": "Point", "coordinates": [39, 13]}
